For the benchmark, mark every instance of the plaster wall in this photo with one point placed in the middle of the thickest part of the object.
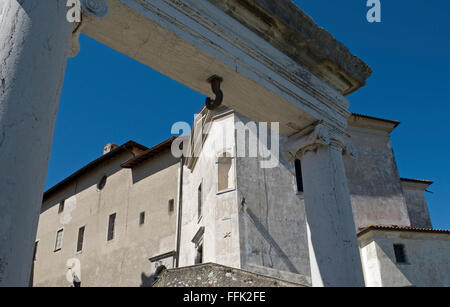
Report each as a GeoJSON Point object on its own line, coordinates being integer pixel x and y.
{"type": "Point", "coordinates": [220, 208]}
{"type": "Point", "coordinates": [428, 264]}
{"type": "Point", "coordinates": [417, 205]}
{"type": "Point", "coordinates": [123, 261]}
{"type": "Point", "coordinates": [272, 221]}
{"type": "Point", "coordinates": [373, 180]}
{"type": "Point", "coordinates": [371, 264]}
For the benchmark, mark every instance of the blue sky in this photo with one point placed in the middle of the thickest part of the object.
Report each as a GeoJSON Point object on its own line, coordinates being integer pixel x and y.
{"type": "Point", "coordinates": [108, 97]}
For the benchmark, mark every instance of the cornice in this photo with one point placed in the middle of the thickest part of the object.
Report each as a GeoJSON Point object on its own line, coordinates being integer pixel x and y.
{"type": "Point", "coordinates": [252, 56]}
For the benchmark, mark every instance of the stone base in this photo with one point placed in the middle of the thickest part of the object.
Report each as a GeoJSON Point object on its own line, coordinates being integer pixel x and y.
{"type": "Point", "coordinates": [215, 275]}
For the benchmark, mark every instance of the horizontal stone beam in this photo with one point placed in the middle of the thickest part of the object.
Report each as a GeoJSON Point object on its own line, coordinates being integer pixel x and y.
{"type": "Point", "coordinates": [191, 40]}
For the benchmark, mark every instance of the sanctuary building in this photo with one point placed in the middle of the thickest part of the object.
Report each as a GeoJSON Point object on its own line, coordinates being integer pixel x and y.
{"type": "Point", "coordinates": [139, 215]}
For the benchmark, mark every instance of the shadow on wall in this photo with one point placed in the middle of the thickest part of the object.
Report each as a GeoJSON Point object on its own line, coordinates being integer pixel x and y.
{"type": "Point", "coordinates": [148, 281]}
{"type": "Point", "coordinates": [374, 173]}
{"type": "Point", "coordinates": [88, 180]}
{"type": "Point", "coordinates": [271, 241]}
{"type": "Point", "coordinates": [416, 271]}
{"type": "Point", "coordinates": [153, 166]}
{"type": "Point", "coordinates": [2, 268]}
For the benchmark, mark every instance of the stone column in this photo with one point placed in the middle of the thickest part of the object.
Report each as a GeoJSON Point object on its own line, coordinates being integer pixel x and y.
{"type": "Point", "coordinates": [334, 253]}
{"type": "Point", "coordinates": [34, 44]}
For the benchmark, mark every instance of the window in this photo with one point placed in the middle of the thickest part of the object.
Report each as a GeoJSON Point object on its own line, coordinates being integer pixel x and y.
{"type": "Point", "coordinates": [101, 184]}
{"type": "Point", "coordinates": [198, 241]}
{"type": "Point", "coordinates": [80, 239]}
{"type": "Point", "coordinates": [299, 176]}
{"type": "Point", "coordinates": [200, 196]}
{"type": "Point", "coordinates": [59, 237]}
{"type": "Point", "coordinates": [400, 255]}
{"type": "Point", "coordinates": [142, 218]}
{"type": "Point", "coordinates": [199, 256]}
{"type": "Point", "coordinates": [35, 250]}
{"type": "Point", "coordinates": [224, 173]}
{"type": "Point", "coordinates": [171, 205]}
{"type": "Point", "coordinates": [61, 207]}
{"type": "Point", "coordinates": [111, 225]}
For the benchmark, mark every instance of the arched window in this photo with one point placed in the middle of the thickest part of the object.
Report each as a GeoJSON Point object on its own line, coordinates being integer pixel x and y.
{"type": "Point", "coordinates": [225, 173]}
{"type": "Point", "coordinates": [101, 184]}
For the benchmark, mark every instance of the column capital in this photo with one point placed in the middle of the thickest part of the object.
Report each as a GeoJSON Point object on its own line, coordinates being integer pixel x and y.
{"type": "Point", "coordinates": [343, 142]}
{"type": "Point", "coordinates": [95, 8]}
{"type": "Point", "coordinates": [313, 136]}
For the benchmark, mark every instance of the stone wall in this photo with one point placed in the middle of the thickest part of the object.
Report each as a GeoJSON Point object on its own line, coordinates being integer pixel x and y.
{"type": "Point", "coordinates": [418, 212]}
{"type": "Point", "coordinates": [272, 219]}
{"type": "Point", "coordinates": [373, 179]}
{"type": "Point", "coordinates": [219, 208]}
{"type": "Point", "coordinates": [214, 275]}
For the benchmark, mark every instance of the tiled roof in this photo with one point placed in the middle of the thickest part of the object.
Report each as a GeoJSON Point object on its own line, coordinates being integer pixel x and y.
{"type": "Point", "coordinates": [149, 153]}
{"type": "Point", "coordinates": [428, 182]}
{"type": "Point", "coordinates": [364, 230]}
{"type": "Point", "coordinates": [396, 123]}
{"type": "Point", "coordinates": [125, 147]}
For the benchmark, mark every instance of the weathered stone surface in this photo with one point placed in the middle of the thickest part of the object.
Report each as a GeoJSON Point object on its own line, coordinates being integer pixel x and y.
{"type": "Point", "coordinates": [214, 275]}
{"type": "Point", "coordinates": [34, 42]}
{"type": "Point", "coordinates": [333, 247]}
{"type": "Point", "coordinates": [414, 192]}
{"type": "Point", "coordinates": [373, 178]}
{"type": "Point", "coordinates": [190, 40]}
{"type": "Point", "coordinates": [293, 32]}
{"type": "Point", "coordinates": [427, 261]}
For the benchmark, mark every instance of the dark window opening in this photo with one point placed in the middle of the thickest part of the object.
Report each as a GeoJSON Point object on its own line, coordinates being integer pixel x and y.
{"type": "Point", "coordinates": [111, 226]}
{"type": "Point", "coordinates": [299, 176]}
{"type": "Point", "coordinates": [35, 250]}
{"type": "Point", "coordinates": [200, 196]}
{"type": "Point", "coordinates": [400, 255]}
{"type": "Point", "coordinates": [80, 239]}
{"type": "Point", "coordinates": [142, 218]}
{"type": "Point", "coordinates": [171, 205]}
{"type": "Point", "coordinates": [101, 184]}
{"type": "Point", "coordinates": [61, 206]}
{"type": "Point", "coordinates": [199, 256]}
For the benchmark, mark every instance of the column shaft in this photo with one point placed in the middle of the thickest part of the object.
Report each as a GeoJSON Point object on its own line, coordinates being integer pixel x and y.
{"type": "Point", "coordinates": [34, 42]}
{"type": "Point", "coordinates": [333, 246]}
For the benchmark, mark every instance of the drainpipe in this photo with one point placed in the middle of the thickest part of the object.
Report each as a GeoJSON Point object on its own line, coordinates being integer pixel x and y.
{"type": "Point", "coordinates": [180, 213]}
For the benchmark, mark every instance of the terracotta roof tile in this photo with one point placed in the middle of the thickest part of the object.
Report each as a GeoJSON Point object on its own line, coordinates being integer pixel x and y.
{"type": "Point", "coordinates": [149, 153]}
{"type": "Point", "coordinates": [428, 182]}
{"type": "Point", "coordinates": [125, 147]}
{"type": "Point", "coordinates": [396, 123]}
{"type": "Point", "coordinates": [364, 230]}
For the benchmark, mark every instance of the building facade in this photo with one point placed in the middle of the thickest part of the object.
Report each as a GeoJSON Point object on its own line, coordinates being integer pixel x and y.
{"type": "Point", "coordinates": [135, 210]}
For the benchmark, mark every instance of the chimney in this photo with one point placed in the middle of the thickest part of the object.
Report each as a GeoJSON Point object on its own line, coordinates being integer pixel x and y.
{"type": "Point", "coordinates": [109, 147]}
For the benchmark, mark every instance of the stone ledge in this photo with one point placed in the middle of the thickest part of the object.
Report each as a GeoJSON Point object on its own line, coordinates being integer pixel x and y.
{"type": "Point", "coordinates": [215, 275]}
{"type": "Point", "coordinates": [293, 32]}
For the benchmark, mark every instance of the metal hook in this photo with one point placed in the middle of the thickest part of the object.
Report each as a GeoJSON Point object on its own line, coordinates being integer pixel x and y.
{"type": "Point", "coordinates": [215, 86]}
